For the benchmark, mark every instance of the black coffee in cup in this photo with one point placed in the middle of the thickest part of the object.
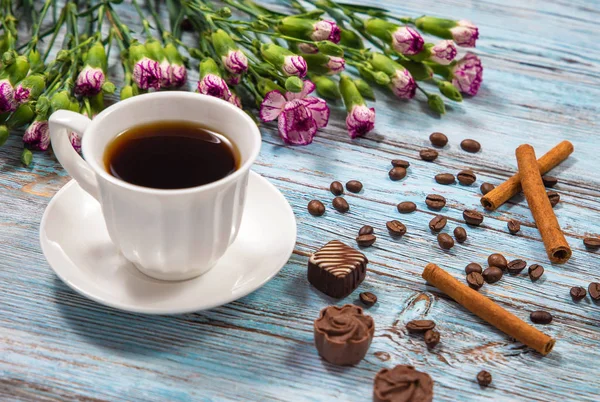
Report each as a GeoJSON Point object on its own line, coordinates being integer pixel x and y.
{"type": "Point", "coordinates": [170, 155]}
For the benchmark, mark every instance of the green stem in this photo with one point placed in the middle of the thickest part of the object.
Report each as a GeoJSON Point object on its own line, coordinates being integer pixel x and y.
{"type": "Point", "coordinates": [114, 20]}
{"type": "Point", "coordinates": [61, 21]}
{"type": "Point", "coordinates": [35, 36]}
{"type": "Point", "coordinates": [156, 17]}
{"type": "Point", "coordinates": [145, 23]}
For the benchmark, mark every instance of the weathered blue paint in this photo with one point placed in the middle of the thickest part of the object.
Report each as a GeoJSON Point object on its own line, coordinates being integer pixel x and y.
{"type": "Point", "coordinates": [541, 72]}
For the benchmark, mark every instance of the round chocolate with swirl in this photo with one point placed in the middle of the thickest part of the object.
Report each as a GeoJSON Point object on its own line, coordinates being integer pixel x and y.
{"type": "Point", "coordinates": [402, 384]}
{"type": "Point", "coordinates": [343, 334]}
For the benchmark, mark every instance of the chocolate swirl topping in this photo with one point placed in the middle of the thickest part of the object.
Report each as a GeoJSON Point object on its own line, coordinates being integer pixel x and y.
{"type": "Point", "coordinates": [344, 324]}
{"type": "Point", "coordinates": [402, 384]}
{"type": "Point", "coordinates": [338, 259]}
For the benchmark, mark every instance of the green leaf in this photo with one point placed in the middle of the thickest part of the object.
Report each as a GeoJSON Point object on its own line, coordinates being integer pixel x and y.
{"type": "Point", "coordinates": [26, 157]}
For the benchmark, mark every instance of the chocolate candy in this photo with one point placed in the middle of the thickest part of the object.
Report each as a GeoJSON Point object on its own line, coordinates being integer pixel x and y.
{"type": "Point", "coordinates": [337, 269]}
{"type": "Point", "coordinates": [402, 384]}
{"type": "Point", "coordinates": [343, 334]}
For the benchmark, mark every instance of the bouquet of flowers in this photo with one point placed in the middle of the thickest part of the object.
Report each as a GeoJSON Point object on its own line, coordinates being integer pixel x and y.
{"type": "Point", "coordinates": [283, 66]}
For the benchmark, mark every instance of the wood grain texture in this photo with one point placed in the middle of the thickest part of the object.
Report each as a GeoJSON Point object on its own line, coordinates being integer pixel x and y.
{"type": "Point", "coordinates": [542, 65]}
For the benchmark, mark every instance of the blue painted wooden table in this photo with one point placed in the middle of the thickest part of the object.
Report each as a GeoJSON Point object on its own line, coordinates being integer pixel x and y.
{"type": "Point", "coordinates": [542, 67]}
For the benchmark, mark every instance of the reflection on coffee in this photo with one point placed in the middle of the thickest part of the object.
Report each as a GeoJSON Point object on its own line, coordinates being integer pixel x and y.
{"type": "Point", "coordinates": [170, 155]}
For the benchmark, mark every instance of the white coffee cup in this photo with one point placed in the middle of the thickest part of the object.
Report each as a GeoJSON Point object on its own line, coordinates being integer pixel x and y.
{"type": "Point", "coordinates": [167, 234]}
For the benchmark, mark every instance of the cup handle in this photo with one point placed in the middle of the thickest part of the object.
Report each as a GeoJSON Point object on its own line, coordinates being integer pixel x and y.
{"type": "Point", "coordinates": [61, 123]}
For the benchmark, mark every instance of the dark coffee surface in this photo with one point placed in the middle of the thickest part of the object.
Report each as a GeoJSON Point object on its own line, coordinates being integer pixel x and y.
{"type": "Point", "coordinates": [170, 155]}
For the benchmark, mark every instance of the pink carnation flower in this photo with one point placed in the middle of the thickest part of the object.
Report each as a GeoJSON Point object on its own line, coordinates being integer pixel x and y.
{"type": "Point", "coordinates": [403, 85]}
{"type": "Point", "coordinates": [465, 34]}
{"type": "Point", "coordinates": [295, 65]}
{"type": "Point", "coordinates": [443, 53]}
{"type": "Point", "coordinates": [407, 41]}
{"type": "Point", "coordinates": [37, 135]}
{"type": "Point", "coordinates": [360, 120]}
{"type": "Point", "coordinates": [235, 62]}
{"type": "Point", "coordinates": [213, 85]}
{"type": "Point", "coordinates": [468, 74]}
{"type": "Point", "coordinates": [326, 30]}
{"type": "Point", "coordinates": [147, 74]}
{"type": "Point", "coordinates": [7, 97]}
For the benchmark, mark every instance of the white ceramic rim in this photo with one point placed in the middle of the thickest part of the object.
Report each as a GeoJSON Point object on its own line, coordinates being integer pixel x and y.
{"type": "Point", "coordinates": [164, 96]}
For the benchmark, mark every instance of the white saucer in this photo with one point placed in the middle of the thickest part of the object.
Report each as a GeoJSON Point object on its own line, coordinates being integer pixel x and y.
{"type": "Point", "coordinates": [75, 242]}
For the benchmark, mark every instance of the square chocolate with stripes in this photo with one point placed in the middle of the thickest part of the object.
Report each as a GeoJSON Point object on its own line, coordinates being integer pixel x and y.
{"type": "Point", "coordinates": [337, 269]}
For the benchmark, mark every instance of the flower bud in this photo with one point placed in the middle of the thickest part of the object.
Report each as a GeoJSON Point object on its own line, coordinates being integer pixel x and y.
{"type": "Point", "coordinates": [26, 157]}
{"type": "Point", "coordinates": [235, 62]}
{"type": "Point", "coordinates": [381, 78]}
{"type": "Point", "coordinates": [108, 87]}
{"type": "Point", "coordinates": [350, 93]}
{"type": "Point", "coordinates": [4, 133]}
{"type": "Point", "coordinates": [37, 135]}
{"type": "Point", "coordinates": [308, 48]}
{"type": "Point", "coordinates": [60, 101]}
{"type": "Point", "coordinates": [327, 88]}
{"type": "Point", "coordinates": [284, 60]}
{"type": "Point", "coordinates": [224, 12]}
{"type": "Point", "coordinates": [403, 85]}
{"type": "Point", "coordinates": [42, 106]}
{"type": "Point", "coordinates": [305, 28]}
{"type": "Point", "coordinates": [351, 39]}
{"type": "Point", "coordinates": [17, 70]}
{"type": "Point", "coordinates": [364, 88]}
{"type": "Point", "coordinates": [96, 56]}
{"type": "Point", "coordinates": [419, 71]}
{"type": "Point", "coordinates": [382, 63]}
{"type": "Point", "coordinates": [35, 61]}
{"type": "Point", "coordinates": [330, 49]}
{"type": "Point", "coordinates": [63, 55]}
{"type": "Point", "coordinates": [463, 32]}
{"type": "Point", "coordinates": [404, 40]}
{"type": "Point", "coordinates": [30, 87]}
{"type": "Point", "coordinates": [360, 119]}
{"type": "Point", "coordinates": [294, 84]}
{"type": "Point", "coordinates": [90, 81]}
{"type": "Point", "coordinates": [443, 53]}
{"type": "Point", "coordinates": [127, 92]}
{"type": "Point", "coordinates": [7, 97]}
{"type": "Point", "coordinates": [9, 57]}
{"type": "Point", "coordinates": [233, 79]}
{"type": "Point", "coordinates": [23, 115]}
{"type": "Point", "coordinates": [235, 100]}
{"type": "Point", "coordinates": [146, 71]}
{"type": "Point", "coordinates": [436, 103]}
{"type": "Point", "coordinates": [177, 72]}
{"type": "Point", "coordinates": [294, 65]}
{"type": "Point", "coordinates": [467, 74]}
{"type": "Point", "coordinates": [326, 31]}
{"type": "Point", "coordinates": [450, 91]}
{"type": "Point", "coordinates": [323, 64]}
{"type": "Point", "coordinates": [211, 82]}
{"type": "Point", "coordinates": [196, 54]}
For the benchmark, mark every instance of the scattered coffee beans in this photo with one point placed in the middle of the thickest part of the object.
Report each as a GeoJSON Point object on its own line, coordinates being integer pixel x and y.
{"type": "Point", "coordinates": [577, 293]}
{"type": "Point", "coordinates": [445, 241]}
{"type": "Point", "coordinates": [535, 272]}
{"type": "Point", "coordinates": [400, 163]}
{"type": "Point", "coordinates": [486, 188]}
{"type": "Point", "coordinates": [473, 217]}
{"type": "Point", "coordinates": [406, 207]}
{"type": "Point", "coordinates": [473, 267]}
{"type": "Point", "coordinates": [475, 280]}
{"type": "Point", "coordinates": [432, 338]}
{"type": "Point", "coordinates": [497, 260]}
{"type": "Point", "coordinates": [554, 197]}
{"type": "Point", "coordinates": [492, 274]}
{"type": "Point", "coordinates": [516, 266]}
{"type": "Point", "coordinates": [428, 155]}
{"type": "Point", "coordinates": [594, 291]}
{"type": "Point", "coordinates": [466, 177]}
{"type": "Point", "coordinates": [365, 230]}
{"type": "Point", "coordinates": [419, 326]}
{"type": "Point", "coordinates": [354, 186]}
{"type": "Point", "coordinates": [592, 243]}
{"type": "Point", "coordinates": [397, 173]}
{"type": "Point", "coordinates": [460, 234]}
{"type": "Point", "coordinates": [366, 240]}
{"type": "Point", "coordinates": [438, 139]}
{"type": "Point", "coordinates": [549, 181]}
{"type": "Point", "coordinates": [470, 146]}
{"type": "Point", "coordinates": [336, 188]}
{"type": "Point", "coordinates": [513, 226]}
{"type": "Point", "coordinates": [540, 317]}
{"type": "Point", "coordinates": [368, 298]}
{"type": "Point", "coordinates": [435, 201]}
{"type": "Point", "coordinates": [396, 228]}
{"type": "Point", "coordinates": [437, 223]}
{"type": "Point", "coordinates": [445, 178]}
{"type": "Point", "coordinates": [484, 378]}
{"type": "Point", "coordinates": [316, 208]}
{"type": "Point", "coordinates": [340, 204]}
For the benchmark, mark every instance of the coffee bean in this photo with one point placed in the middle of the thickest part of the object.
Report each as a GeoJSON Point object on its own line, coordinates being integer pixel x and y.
{"type": "Point", "coordinates": [460, 234]}
{"type": "Point", "coordinates": [513, 226]}
{"type": "Point", "coordinates": [365, 230]}
{"type": "Point", "coordinates": [397, 173]}
{"type": "Point", "coordinates": [406, 207]}
{"type": "Point", "coordinates": [492, 274]}
{"type": "Point", "coordinates": [400, 163]}
{"type": "Point", "coordinates": [445, 178]}
{"type": "Point", "coordinates": [432, 338]}
{"type": "Point", "coordinates": [419, 326]}
{"type": "Point", "coordinates": [475, 280]}
{"type": "Point", "coordinates": [473, 267]}
{"type": "Point", "coordinates": [470, 146]}
{"type": "Point", "coordinates": [437, 223]}
{"type": "Point", "coordinates": [396, 228]}
{"type": "Point", "coordinates": [535, 272]}
{"type": "Point", "coordinates": [486, 188]}
{"type": "Point", "coordinates": [594, 291]}
{"type": "Point", "coordinates": [340, 204]}
{"type": "Point", "coordinates": [316, 208]}
{"type": "Point", "coordinates": [435, 201]}
{"type": "Point", "coordinates": [484, 378]}
{"type": "Point", "coordinates": [336, 188]}
{"type": "Point", "coordinates": [549, 181]}
{"type": "Point", "coordinates": [438, 139]}
{"type": "Point", "coordinates": [577, 293]}
{"type": "Point", "coordinates": [516, 266]}
{"type": "Point", "coordinates": [466, 177]}
{"type": "Point", "coordinates": [592, 243]}
{"type": "Point", "coordinates": [368, 298]}
{"type": "Point", "coordinates": [497, 260]}
{"type": "Point", "coordinates": [366, 240]}
{"type": "Point", "coordinates": [472, 217]}
{"type": "Point", "coordinates": [428, 155]}
{"type": "Point", "coordinates": [445, 241]}
{"type": "Point", "coordinates": [554, 198]}
{"type": "Point", "coordinates": [354, 186]}
{"type": "Point", "coordinates": [540, 317]}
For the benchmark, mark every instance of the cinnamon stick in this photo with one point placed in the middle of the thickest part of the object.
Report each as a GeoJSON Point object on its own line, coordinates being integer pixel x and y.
{"type": "Point", "coordinates": [557, 248]}
{"type": "Point", "coordinates": [487, 310]}
{"type": "Point", "coordinates": [512, 186]}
